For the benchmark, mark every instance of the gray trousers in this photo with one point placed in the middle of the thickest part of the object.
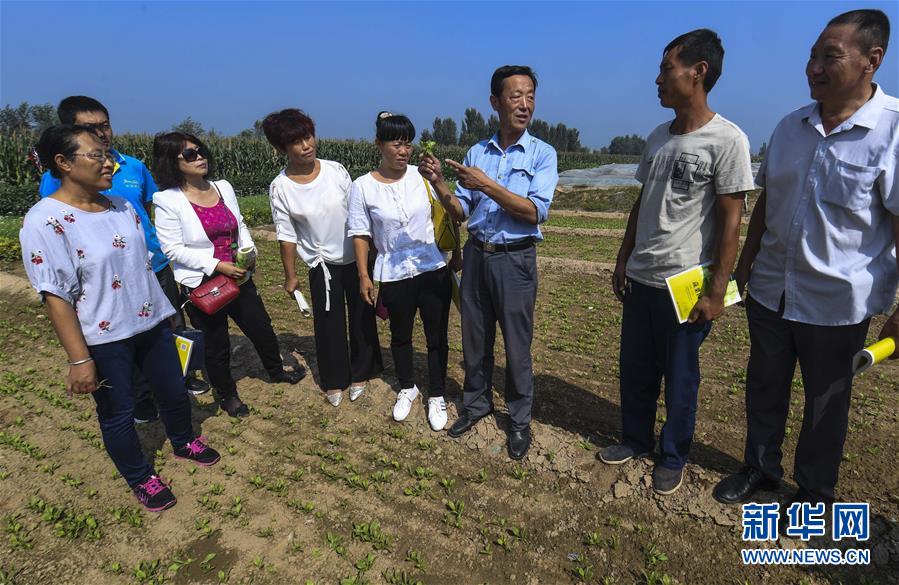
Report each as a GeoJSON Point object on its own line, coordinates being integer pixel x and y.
{"type": "Point", "coordinates": [498, 286]}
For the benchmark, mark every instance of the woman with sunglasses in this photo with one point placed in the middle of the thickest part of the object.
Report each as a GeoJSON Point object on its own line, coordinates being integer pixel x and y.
{"type": "Point", "coordinates": [391, 207]}
{"type": "Point", "coordinates": [85, 254]}
{"type": "Point", "coordinates": [309, 208]}
{"type": "Point", "coordinates": [200, 228]}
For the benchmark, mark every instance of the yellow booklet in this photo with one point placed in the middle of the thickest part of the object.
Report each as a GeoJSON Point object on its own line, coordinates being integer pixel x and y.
{"type": "Point", "coordinates": [686, 287]}
{"type": "Point", "coordinates": [185, 347]}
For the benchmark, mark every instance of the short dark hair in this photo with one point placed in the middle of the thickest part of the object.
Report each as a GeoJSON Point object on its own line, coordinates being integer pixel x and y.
{"type": "Point", "coordinates": [59, 139]}
{"type": "Point", "coordinates": [73, 105]}
{"type": "Point", "coordinates": [701, 45]}
{"type": "Point", "coordinates": [389, 127]}
{"type": "Point", "coordinates": [167, 146]}
{"type": "Point", "coordinates": [286, 127]}
{"type": "Point", "coordinates": [873, 27]}
{"type": "Point", "coordinates": [500, 75]}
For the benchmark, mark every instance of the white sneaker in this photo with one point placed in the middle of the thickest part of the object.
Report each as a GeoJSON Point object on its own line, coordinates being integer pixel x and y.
{"type": "Point", "coordinates": [335, 398]}
{"type": "Point", "coordinates": [356, 391]}
{"type": "Point", "coordinates": [404, 403]}
{"type": "Point", "coordinates": [437, 413]}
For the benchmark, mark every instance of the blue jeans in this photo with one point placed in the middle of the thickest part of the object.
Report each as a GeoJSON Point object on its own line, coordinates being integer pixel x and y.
{"type": "Point", "coordinates": [654, 345]}
{"type": "Point", "coordinates": [153, 353]}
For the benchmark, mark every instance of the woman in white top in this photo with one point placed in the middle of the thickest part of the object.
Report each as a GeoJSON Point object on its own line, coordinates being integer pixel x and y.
{"type": "Point", "coordinates": [200, 229]}
{"type": "Point", "coordinates": [85, 254]}
{"type": "Point", "coordinates": [390, 207]}
{"type": "Point", "coordinates": [309, 208]}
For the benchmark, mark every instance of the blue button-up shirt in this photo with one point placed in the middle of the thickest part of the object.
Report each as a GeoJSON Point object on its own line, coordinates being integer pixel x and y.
{"type": "Point", "coordinates": [132, 181]}
{"type": "Point", "coordinates": [828, 247]}
{"type": "Point", "coordinates": [528, 168]}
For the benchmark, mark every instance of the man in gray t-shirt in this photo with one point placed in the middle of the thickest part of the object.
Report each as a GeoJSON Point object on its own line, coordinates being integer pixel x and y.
{"type": "Point", "coordinates": [695, 171]}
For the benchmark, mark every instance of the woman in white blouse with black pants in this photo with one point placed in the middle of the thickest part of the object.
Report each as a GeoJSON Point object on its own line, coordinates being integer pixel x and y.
{"type": "Point", "coordinates": [309, 209]}
{"type": "Point", "coordinates": [390, 207]}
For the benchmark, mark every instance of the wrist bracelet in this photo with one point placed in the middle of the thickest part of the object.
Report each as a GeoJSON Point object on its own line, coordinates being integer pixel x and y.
{"type": "Point", "coordinates": [79, 362]}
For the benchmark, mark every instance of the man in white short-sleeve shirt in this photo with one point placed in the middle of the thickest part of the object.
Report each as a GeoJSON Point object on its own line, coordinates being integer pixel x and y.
{"type": "Point", "coordinates": [819, 258]}
{"type": "Point", "coordinates": [695, 171]}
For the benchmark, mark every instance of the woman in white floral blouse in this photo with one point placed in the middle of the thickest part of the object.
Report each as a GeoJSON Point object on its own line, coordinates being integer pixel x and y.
{"type": "Point", "coordinates": [84, 253]}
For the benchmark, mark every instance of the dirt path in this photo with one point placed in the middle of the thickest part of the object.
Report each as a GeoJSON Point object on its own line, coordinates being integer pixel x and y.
{"type": "Point", "coordinates": [312, 479]}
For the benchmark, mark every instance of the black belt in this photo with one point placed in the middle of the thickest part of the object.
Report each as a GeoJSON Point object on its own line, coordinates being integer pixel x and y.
{"type": "Point", "coordinates": [513, 247]}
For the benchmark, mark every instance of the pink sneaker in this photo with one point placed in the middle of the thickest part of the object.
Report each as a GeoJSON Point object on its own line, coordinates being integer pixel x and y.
{"type": "Point", "coordinates": [154, 494]}
{"type": "Point", "coordinates": [198, 452]}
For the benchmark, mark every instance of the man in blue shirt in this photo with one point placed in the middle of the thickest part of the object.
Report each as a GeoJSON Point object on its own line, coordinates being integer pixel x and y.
{"type": "Point", "coordinates": [131, 180]}
{"type": "Point", "coordinates": [505, 187]}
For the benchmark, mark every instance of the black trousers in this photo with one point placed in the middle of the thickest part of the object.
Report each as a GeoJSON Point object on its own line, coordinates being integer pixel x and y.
{"type": "Point", "coordinates": [337, 367]}
{"type": "Point", "coordinates": [825, 358]}
{"type": "Point", "coordinates": [430, 294]}
{"type": "Point", "coordinates": [250, 315]}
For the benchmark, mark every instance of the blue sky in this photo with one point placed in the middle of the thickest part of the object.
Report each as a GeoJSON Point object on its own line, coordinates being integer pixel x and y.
{"type": "Point", "coordinates": [226, 64]}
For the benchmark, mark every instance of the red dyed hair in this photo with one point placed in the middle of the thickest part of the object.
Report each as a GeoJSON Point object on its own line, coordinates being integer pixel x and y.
{"type": "Point", "coordinates": [286, 127]}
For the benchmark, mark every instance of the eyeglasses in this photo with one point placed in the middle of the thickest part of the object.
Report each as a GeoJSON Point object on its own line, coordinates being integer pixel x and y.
{"type": "Point", "coordinates": [101, 127]}
{"type": "Point", "coordinates": [97, 156]}
{"type": "Point", "coordinates": [192, 154]}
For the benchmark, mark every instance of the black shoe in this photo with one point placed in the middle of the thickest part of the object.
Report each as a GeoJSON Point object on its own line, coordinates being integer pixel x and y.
{"type": "Point", "coordinates": [801, 496]}
{"type": "Point", "coordinates": [464, 423]}
{"type": "Point", "coordinates": [618, 454]}
{"type": "Point", "coordinates": [195, 385]}
{"type": "Point", "coordinates": [666, 481]}
{"type": "Point", "coordinates": [518, 443]}
{"type": "Point", "coordinates": [145, 411]}
{"type": "Point", "coordinates": [234, 406]}
{"type": "Point", "coordinates": [739, 487]}
{"type": "Point", "coordinates": [291, 377]}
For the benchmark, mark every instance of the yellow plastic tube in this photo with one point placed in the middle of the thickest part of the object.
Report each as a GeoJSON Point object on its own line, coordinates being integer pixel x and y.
{"type": "Point", "coordinates": [873, 354]}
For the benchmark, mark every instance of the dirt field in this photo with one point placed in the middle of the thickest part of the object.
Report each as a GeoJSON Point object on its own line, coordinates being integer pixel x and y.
{"type": "Point", "coordinates": [306, 493]}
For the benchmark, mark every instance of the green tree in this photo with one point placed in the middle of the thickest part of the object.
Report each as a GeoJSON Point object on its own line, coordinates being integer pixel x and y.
{"type": "Point", "coordinates": [492, 125]}
{"type": "Point", "coordinates": [14, 120]}
{"type": "Point", "coordinates": [474, 128]}
{"type": "Point", "coordinates": [254, 132]}
{"type": "Point", "coordinates": [27, 118]}
{"type": "Point", "coordinates": [628, 144]}
{"type": "Point", "coordinates": [189, 126]}
{"type": "Point", "coordinates": [42, 116]}
{"type": "Point", "coordinates": [559, 136]}
{"type": "Point", "coordinates": [445, 131]}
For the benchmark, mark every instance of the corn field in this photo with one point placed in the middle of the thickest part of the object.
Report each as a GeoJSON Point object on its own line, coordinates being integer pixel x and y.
{"type": "Point", "coordinates": [248, 163]}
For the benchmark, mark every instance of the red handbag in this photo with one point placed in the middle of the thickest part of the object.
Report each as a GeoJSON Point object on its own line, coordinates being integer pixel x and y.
{"type": "Point", "coordinates": [214, 294]}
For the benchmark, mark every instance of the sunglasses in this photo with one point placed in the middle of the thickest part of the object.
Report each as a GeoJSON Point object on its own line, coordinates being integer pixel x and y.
{"type": "Point", "coordinates": [192, 154]}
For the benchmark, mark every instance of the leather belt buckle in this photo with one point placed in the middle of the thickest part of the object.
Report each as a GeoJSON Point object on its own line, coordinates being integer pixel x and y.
{"type": "Point", "coordinates": [489, 247]}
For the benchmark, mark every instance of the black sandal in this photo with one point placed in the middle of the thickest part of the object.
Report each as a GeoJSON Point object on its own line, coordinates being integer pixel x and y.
{"type": "Point", "coordinates": [234, 406]}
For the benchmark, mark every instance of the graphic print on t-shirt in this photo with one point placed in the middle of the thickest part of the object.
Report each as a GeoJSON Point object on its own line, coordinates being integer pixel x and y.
{"type": "Point", "coordinates": [682, 171]}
